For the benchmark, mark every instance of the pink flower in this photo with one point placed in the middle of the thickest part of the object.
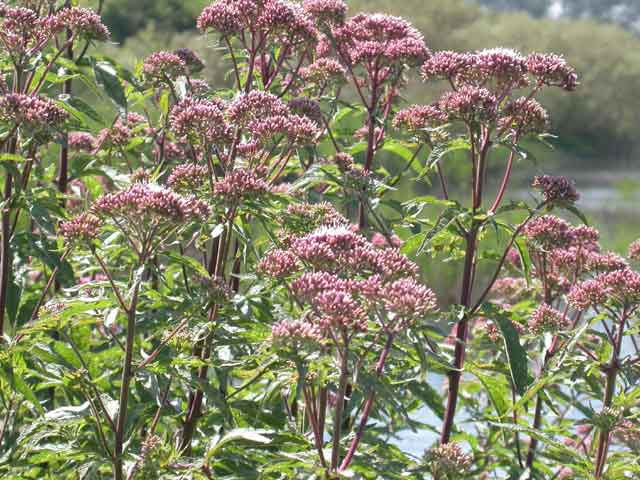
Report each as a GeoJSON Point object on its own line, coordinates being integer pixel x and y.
{"type": "Point", "coordinates": [83, 23]}
{"type": "Point", "coordinates": [324, 71]}
{"type": "Point", "coordinates": [547, 319]}
{"type": "Point", "coordinates": [449, 65]}
{"type": "Point", "coordinates": [308, 285]}
{"type": "Point", "coordinates": [408, 299]}
{"type": "Point", "coordinates": [469, 103]}
{"type": "Point", "coordinates": [556, 189]}
{"type": "Point", "coordinates": [307, 108]}
{"type": "Point", "coordinates": [163, 66]}
{"type": "Point", "coordinates": [620, 287]}
{"type": "Point", "coordinates": [36, 116]}
{"type": "Point", "coordinates": [222, 16]}
{"type": "Point", "coordinates": [326, 12]}
{"type": "Point", "coordinates": [145, 202]}
{"type": "Point", "coordinates": [417, 119]}
{"type": "Point", "coordinates": [524, 116]}
{"type": "Point", "coordinates": [256, 106]}
{"type": "Point", "coordinates": [281, 16]}
{"type": "Point", "coordinates": [116, 137]}
{"type": "Point", "coordinates": [553, 70]}
{"type": "Point", "coordinates": [202, 119]}
{"type": "Point", "coordinates": [83, 228]}
{"type": "Point", "coordinates": [378, 40]}
{"type": "Point", "coordinates": [24, 32]}
{"type": "Point", "coordinates": [278, 263]}
{"type": "Point", "coordinates": [507, 68]}
{"type": "Point", "coordinates": [293, 332]}
{"type": "Point", "coordinates": [448, 460]}
{"type": "Point", "coordinates": [81, 141]}
{"type": "Point", "coordinates": [548, 232]}
{"type": "Point", "coordinates": [634, 250]}
{"type": "Point", "coordinates": [338, 308]}
{"type": "Point", "coordinates": [238, 184]}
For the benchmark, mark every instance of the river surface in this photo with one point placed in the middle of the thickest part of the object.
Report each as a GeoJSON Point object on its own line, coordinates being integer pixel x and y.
{"type": "Point", "coordinates": [611, 201]}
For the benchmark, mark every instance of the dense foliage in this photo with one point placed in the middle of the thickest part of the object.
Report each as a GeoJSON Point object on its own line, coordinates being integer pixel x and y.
{"type": "Point", "coordinates": [220, 283]}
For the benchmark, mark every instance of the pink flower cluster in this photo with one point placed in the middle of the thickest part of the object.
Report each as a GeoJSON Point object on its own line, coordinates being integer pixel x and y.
{"type": "Point", "coordinates": [523, 116]}
{"type": "Point", "coordinates": [547, 319]}
{"type": "Point", "coordinates": [81, 141]}
{"type": "Point", "coordinates": [377, 40]}
{"type": "Point", "coordinates": [324, 72]}
{"type": "Point", "coordinates": [469, 103]}
{"type": "Point", "coordinates": [418, 119]}
{"type": "Point", "coordinates": [326, 12]}
{"type": "Point", "coordinates": [619, 287]}
{"type": "Point", "coordinates": [273, 18]}
{"type": "Point", "coordinates": [24, 32]}
{"type": "Point", "coordinates": [556, 189]}
{"type": "Point", "coordinates": [83, 23]}
{"type": "Point", "coordinates": [203, 119]}
{"type": "Point", "coordinates": [448, 460]}
{"type": "Point", "coordinates": [347, 281]}
{"type": "Point", "coordinates": [294, 332]}
{"type": "Point", "coordinates": [255, 106]}
{"type": "Point", "coordinates": [35, 115]}
{"type": "Point", "coordinates": [240, 183]}
{"type": "Point", "coordinates": [188, 178]}
{"type": "Point", "coordinates": [83, 228]}
{"type": "Point", "coordinates": [506, 68]}
{"type": "Point", "coordinates": [146, 202]}
{"type": "Point", "coordinates": [548, 232]}
{"type": "Point", "coordinates": [278, 264]}
{"type": "Point", "coordinates": [163, 66]}
{"type": "Point", "coordinates": [634, 250]}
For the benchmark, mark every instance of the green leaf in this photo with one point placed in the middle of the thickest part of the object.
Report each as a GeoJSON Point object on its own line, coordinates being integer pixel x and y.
{"type": "Point", "coordinates": [239, 434]}
{"type": "Point", "coordinates": [518, 361]}
{"type": "Point", "coordinates": [440, 151]}
{"type": "Point", "coordinates": [107, 77]}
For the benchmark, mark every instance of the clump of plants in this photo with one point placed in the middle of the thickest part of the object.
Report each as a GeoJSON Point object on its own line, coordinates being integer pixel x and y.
{"type": "Point", "coordinates": [220, 281]}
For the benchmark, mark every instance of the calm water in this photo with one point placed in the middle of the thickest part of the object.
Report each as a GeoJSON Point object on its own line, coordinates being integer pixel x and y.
{"type": "Point", "coordinates": [611, 200]}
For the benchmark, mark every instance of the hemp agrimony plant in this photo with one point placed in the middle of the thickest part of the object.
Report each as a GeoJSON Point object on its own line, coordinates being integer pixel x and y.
{"type": "Point", "coordinates": [229, 281]}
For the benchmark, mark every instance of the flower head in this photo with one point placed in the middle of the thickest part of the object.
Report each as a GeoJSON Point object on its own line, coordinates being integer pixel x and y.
{"type": "Point", "coordinates": [547, 319]}
{"type": "Point", "coordinates": [24, 32]}
{"type": "Point", "coordinates": [326, 12]}
{"type": "Point", "coordinates": [552, 70]}
{"type": "Point", "coordinates": [202, 119]}
{"type": "Point", "coordinates": [81, 141]}
{"type": "Point", "coordinates": [278, 263]}
{"type": "Point", "coordinates": [469, 103]}
{"type": "Point", "coordinates": [83, 228]}
{"type": "Point", "coordinates": [290, 333]}
{"type": "Point", "coordinates": [222, 16]}
{"type": "Point", "coordinates": [83, 23]}
{"type": "Point", "coordinates": [377, 40]}
{"type": "Point", "coordinates": [324, 71]}
{"type": "Point", "coordinates": [338, 308]}
{"type": "Point", "coordinates": [524, 116]}
{"type": "Point", "coordinates": [505, 67]}
{"type": "Point", "coordinates": [146, 202]}
{"type": "Point", "coordinates": [408, 299]}
{"type": "Point", "coordinates": [240, 183]}
{"type": "Point", "coordinates": [618, 287]}
{"type": "Point", "coordinates": [36, 116]}
{"type": "Point", "coordinates": [556, 189]}
{"type": "Point", "coordinates": [634, 250]}
{"type": "Point", "coordinates": [448, 461]}
{"type": "Point", "coordinates": [256, 106]}
{"type": "Point", "coordinates": [163, 66]}
{"type": "Point", "coordinates": [548, 232]}
{"type": "Point", "coordinates": [418, 119]}
{"type": "Point", "coordinates": [449, 65]}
